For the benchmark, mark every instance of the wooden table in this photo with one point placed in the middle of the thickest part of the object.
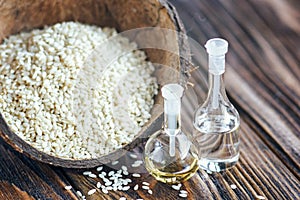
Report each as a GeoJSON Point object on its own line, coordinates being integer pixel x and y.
{"type": "Point", "coordinates": [262, 80]}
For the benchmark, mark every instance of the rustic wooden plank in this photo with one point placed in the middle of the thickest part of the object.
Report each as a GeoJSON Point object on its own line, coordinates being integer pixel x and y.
{"type": "Point", "coordinates": [25, 178]}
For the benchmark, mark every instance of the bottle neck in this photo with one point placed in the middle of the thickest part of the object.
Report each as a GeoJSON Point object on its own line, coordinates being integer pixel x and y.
{"type": "Point", "coordinates": [216, 92]}
{"type": "Point", "coordinates": [172, 121]}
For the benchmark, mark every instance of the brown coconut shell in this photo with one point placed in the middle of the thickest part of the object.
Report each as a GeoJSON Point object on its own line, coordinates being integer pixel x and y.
{"type": "Point", "coordinates": [16, 16]}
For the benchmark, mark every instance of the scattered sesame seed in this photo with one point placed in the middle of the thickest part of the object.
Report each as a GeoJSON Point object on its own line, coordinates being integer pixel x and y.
{"type": "Point", "coordinates": [133, 156]}
{"type": "Point", "coordinates": [146, 183]}
{"type": "Point", "coordinates": [150, 192]}
{"type": "Point", "coordinates": [104, 190]}
{"type": "Point", "coordinates": [68, 187]}
{"type": "Point", "coordinates": [92, 191]}
{"type": "Point", "coordinates": [111, 173]}
{"type": "Point", "coordinates": [125, 173]}
{"type": "Point", "coordinates": [92, 175]}
{"type": "Point", "coordinates": [98, 184]}
{"type": "Point", "coordinates": [108, 183]}
{"type": "Point", "coordinates": [103, 173]}
{"type": "Point", "coordinates": [79, 193]}
{"type": "Point", "coordinates": [128, 180]}
{"type": "Point", "coordinates": [115, 162]}
{"type": "Point", "coordinates": [122, 198]}
{"type": "Point", "coordinates": [183, 191]}
{"type": "Point", "coordinates": [101, 176]}
{"type": "Point", "coordinates": [139, 161]}
{"type": "Point", "coordinates": [233, 186]}
{"type": "Point", "coordinates": [109, 188]}
{"type": "Point", "coordinates": [126, 188]}
{"type": "Point", "coordinates": [99, 168]}
{"type": "Point", "coordinates": [145, 187]}
{"type": "Point", "coordinates": [136, 175]}
{"type": "Point", "coordinates": [175, 187]}
{"type": "Point", "coordinates": [106, 180]}
{"type": "Point", "coordinates": [260, 197]}
{"type": "Point", "coordinates": [86, 173]}
{"type": "Point", "coordinates": [183, 195]}
{"type": "Point", "coordinates": [136, 187]}
{"type": "Point", "coordinates": [124, 168]}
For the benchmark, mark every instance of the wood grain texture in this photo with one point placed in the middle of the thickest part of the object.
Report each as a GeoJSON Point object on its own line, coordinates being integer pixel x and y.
{"type": "Point", "coordinates": [262, 80]}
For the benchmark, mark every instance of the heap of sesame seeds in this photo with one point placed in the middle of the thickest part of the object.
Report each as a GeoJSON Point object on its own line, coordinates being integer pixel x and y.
{"type": "Point", "coordinates": [45, 101]}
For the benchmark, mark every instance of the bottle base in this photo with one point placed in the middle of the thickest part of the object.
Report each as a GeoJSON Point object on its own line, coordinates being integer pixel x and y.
{"type": "Point", "coordinates": [217, 165]}
{"type": "Point", "coordinates": [171, 175]}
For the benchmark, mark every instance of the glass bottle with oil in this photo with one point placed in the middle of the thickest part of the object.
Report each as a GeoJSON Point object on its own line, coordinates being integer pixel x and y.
{"type": "Point", "coordinates": [216, 122]}
{"type": "Point", "coordinates": [169, 154]}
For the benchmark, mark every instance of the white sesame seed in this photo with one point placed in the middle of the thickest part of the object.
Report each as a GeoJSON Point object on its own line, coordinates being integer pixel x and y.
{"type": "Point", "coordinates": [115, 162]}
{"type": "Point", "coordinates": [104, 190]}
{"type": "Point", "coordinates": [128, 180]}
{"type": "Point", "coordinates": [103, 173]}
{"type": "Point", "coordinates": [98, 184]}
{"type": "Point", "coordinates": [101, 176]}
{"type": "Point", "coordinates": [183, 191]}
{"type": "Point", "coordinates": [79, 193]}
{"type": "Point", "coordinates": [124, 168]}
{"type": "Point", "coordinates": [92, 175]}
{"type": "Point", "coordinates": [125, 188]}
{"type": "Point", "coordinates": [111, 173]}
{"type": "Point", "coordinates": [138, 162]}
{"type": "Point", "coordinates": [175, 187]}
{"type": "Point", "coordinates": [260, 197]}
{"type": "Point", "coordinates": [122, 198]}
{"type": "Point", "coordinates": [136, 175]}
{"type": "Point", "coordinates": [150, 192]}
{"type": "Point", "coordinates": [125, 173]}
{"type": "Point", "coordinates": [108, 183]}
{"type": "Point", "coordinates": [146, 183]}
{"type": "Point", "coordinates": [233, 186]}
{"type": "Point", "coordinates": [183, 195]}
{"type": "Point", "coordinates": [68, 187]}
{"type": "Point", "coordinates": [92, 191]}
{"type": "Point", "coordinates": [109, 188]}
{"type": "Point", "coordinates": [86, 173]}
{"type": "Point", "coordinates": [133, 156]}
{"type": "Point", "coordinates": [145, 187]}
{"type": "Point", "coordinates": [99, 168]}
{"type": "Point", "coordinates": [136, 187]}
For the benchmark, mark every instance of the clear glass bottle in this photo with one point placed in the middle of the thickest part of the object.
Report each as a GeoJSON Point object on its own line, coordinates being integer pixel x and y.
{"type": "Point", "coordinates": [169, 154]}
{"type": "Point", "coordinates": [217, 121]}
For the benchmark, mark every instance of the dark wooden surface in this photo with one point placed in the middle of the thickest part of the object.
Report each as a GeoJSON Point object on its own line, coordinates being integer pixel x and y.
{"type": "Point", "coordinates": [262, 79]}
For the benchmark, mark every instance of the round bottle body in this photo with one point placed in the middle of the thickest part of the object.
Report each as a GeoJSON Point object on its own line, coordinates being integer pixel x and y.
{"type": "Point", "coordinates": [165, 167]}
{"type": "Point", "coordinates": [217, 139]}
